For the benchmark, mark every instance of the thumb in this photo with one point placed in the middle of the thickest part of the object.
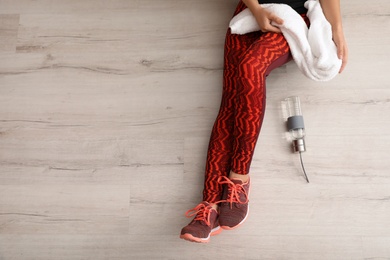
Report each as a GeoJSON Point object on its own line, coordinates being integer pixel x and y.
{"type": "Point", "coordinates": [340, 52]}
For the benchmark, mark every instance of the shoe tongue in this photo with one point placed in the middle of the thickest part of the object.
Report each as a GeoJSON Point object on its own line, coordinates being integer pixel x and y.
{"type": "Point", "coordinates": [213, 215]}
{"type": "Point", "coordinates": [237, 181]}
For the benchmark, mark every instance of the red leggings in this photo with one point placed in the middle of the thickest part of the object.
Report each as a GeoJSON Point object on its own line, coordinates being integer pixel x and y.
{"type": "Point", "coordinates": [248, 60]}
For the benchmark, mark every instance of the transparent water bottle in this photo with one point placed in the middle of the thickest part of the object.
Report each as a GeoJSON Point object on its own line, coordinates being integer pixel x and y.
{"type": "Point", "coordinates": [295, 123]}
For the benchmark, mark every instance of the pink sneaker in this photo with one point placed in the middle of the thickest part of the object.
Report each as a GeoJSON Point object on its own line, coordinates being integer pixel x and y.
{"type": "Point", "coordinates": [204, 225]}
{"type": "Point", "coordinates": [234, 208]}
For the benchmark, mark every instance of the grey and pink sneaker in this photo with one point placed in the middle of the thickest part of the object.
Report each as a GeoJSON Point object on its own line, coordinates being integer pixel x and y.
{"type": "Point", "coordinates": [234, 207]}
{"type": "Point", "coordinates": [204, 224]}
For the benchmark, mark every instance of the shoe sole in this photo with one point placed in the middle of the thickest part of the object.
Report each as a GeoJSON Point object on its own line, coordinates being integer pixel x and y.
{"type": "Point", "coordinates": [191, 238]}
{"type": "Point", "coordinates": [239, 224]}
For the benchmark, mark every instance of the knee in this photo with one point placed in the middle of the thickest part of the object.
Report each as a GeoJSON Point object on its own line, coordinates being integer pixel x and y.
{"type": "Point", "coordinates": [251, 74]}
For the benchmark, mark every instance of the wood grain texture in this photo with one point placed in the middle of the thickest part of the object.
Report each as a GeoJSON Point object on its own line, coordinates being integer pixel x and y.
{"type": "Point", "coordinates": [105, 113]}
{"type": "Point", "coordinates": [9, 24]}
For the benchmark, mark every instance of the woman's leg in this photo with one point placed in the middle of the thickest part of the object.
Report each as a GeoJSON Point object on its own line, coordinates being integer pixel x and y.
{"type": "Point", "coordinates": [220, 150]}
{"type": "Point", "coordinates": [248, 60]}
{"type": "Point", "coordinates": [205, 222]}
{"type": "Point", "coordinates": [268, 52]}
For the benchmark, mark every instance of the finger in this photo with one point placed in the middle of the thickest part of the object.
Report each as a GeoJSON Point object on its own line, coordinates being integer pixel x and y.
{"type": "Point", "coordinates": [344, 60]}
{"type": "Point", "coordinates": [276, 19]}
{"type": "Point", "coordinates": [343, 64]}
{"type": "Point", "coordinates": [340, 51]}
{"type": "Point", "coordinates": [270, 28]}
{"type": "Point", "coordinates": [273, 29]}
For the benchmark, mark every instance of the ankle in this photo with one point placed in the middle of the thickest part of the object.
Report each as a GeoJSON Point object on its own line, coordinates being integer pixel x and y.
{"type": "Point", "coordinates": [243, 177]}
{"type": "Point", "coordinates": [214, 206]}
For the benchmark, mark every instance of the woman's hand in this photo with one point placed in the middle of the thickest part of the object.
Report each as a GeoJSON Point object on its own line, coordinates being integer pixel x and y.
{"type": "Point", "coordinates": [265, 18]}
{"type": "Point", "coordinates": [332, 12]}
{"type": "Point", "coordinates": [342, 48]}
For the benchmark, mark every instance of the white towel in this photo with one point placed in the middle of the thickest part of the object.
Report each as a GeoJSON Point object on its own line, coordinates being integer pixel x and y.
{"type": "Point", "coordinates": [312, 49]}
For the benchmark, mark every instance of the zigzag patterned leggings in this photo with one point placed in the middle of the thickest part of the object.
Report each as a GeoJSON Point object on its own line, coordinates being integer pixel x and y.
{"type": "Point", "coordinates": [248, 60]}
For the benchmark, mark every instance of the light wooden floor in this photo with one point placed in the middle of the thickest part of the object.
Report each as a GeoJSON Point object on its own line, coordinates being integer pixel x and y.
{"type": "Point", "coordinates": [105, 113]}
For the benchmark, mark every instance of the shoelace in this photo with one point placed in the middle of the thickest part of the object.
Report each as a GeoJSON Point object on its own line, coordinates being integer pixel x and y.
{"type": "Point", "coordinates": [201, 213]}
{"type": "Point", "coordinates": [234, 191]}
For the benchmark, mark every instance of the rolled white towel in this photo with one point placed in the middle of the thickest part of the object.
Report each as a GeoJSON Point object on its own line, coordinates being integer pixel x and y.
{"type": "Point", "coordinates": [312, 48]}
